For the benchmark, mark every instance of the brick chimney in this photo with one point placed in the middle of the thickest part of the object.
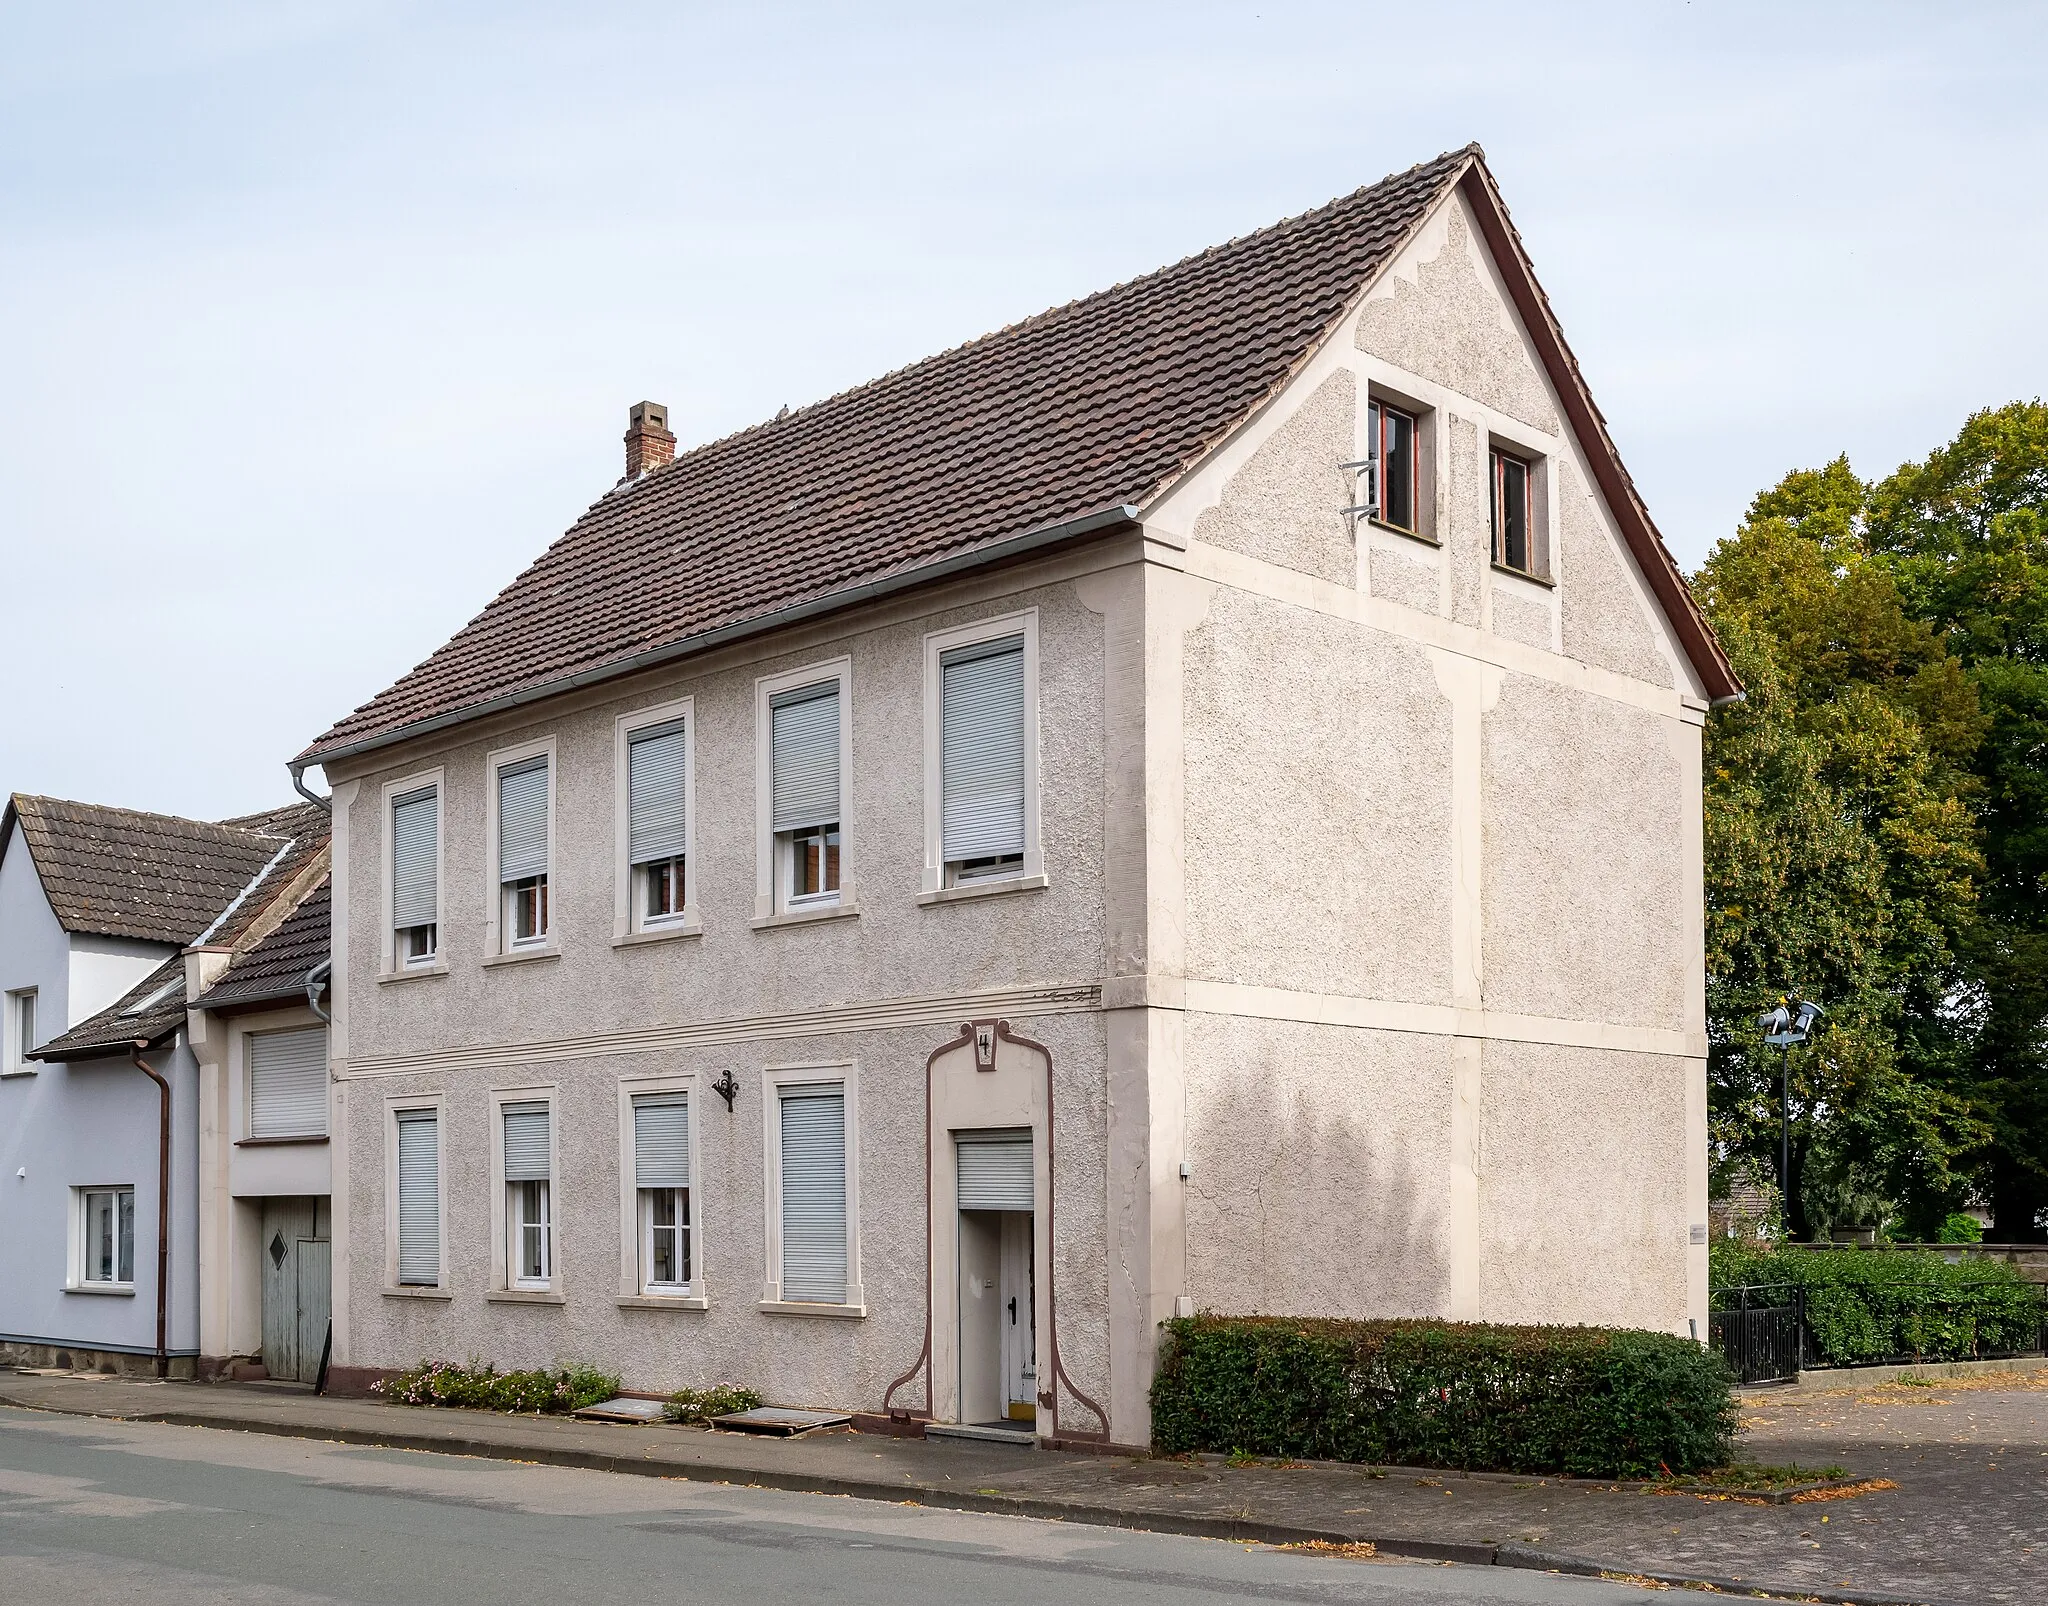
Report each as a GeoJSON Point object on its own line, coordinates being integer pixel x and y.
{"type": "Point", "coordinates": [648, 443]}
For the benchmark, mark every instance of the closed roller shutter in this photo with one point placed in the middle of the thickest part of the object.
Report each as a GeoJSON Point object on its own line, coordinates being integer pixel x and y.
{"type": "Point", "coordinates": [804, 757]}
{"type": "Point", "coordinates": [415, 838]}
{"type": "Point", "coordinates": [657, 793]}
{"type": "Point", "coordinates": [419, 1197]}
{"type": "Point", "coordinates": [523, 820]}
{"type": "Point", "coordinates": [288, 1083]}
{"type": "Point", "coordinates": [526, 1142]}
{"type": "Point", "coordinates": [814, 1195]}
{"type": "Point", "coordinates": [661, 1141]}
{"type": "Point", "coordinates": [982, 750]}
{"type": "Point", "coordinates": [996, 1172]}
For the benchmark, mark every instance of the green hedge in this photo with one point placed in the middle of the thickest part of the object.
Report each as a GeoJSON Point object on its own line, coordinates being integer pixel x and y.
{"type": "Point", "coordinates": [1872, 1305]}
{"type": "Point", "coordinates": [1589, 1401]}
{"type": "Point", "coordinates": [480, 1386]}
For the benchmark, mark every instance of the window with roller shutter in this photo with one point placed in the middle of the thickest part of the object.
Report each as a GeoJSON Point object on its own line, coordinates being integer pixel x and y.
{"type": "Point", "coordinates": [812, 1121]}
{"type": "Point", "coordinates": [288, 1083]}
{"type": "Point", "coordinates": [419, 1198]}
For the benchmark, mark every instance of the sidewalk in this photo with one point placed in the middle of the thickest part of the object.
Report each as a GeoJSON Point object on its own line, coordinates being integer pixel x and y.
{"type": "Point", "coordinates": [1966, 1524]}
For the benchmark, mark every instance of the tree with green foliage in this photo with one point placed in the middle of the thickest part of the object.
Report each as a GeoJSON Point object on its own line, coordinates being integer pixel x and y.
{"type": "Point", "coordinates": [1966, 535]}
{"type": "Point", "coordinates": [1877, 832]}
{"type": "Point", "coordinates": [1841, 860]}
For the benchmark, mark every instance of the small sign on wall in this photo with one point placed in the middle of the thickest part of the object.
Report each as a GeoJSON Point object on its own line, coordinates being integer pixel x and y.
{"type": "Point", "coordinates": [985, 1045]}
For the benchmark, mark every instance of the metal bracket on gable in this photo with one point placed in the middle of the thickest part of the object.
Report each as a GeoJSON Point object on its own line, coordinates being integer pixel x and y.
{"type": "Point", "coordinates": [1369, 508]}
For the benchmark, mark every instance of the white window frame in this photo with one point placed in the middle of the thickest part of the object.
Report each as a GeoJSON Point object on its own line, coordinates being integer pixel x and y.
{"type": "Point", "coordinates": [497, 942]}
{"type": "Point", "coordinates": [633, 1291]}
{"type": "Point", "coordinates": [503, 1282]}
{"type": "Point", "coordinates": [14, 1061]}
{"type": "Point", "coordinates": [80, 1247]}
{"type": "Point", "coordinates": [629, 922]}
{"type": "Point", "coordinates": [388, 961]}
{"type": "Point", "coordinates": [770, 907]}
{"type": "Point", "coordinates": [936, 644]}
{"type": "Point", "coordinates": [844, 1074]}
{"type": "Point", "coordinates": [394, 1105]}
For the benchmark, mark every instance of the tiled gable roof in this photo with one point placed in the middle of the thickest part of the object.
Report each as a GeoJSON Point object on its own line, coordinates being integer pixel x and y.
{"type": "Point", "coordinates": [1086, 410]}
{"type": "Point", "coordinates": [112, 872]}
{"type": "Point", "coordinates": [148, 1012]}
{"type": "Point", "coordinates": [274, 970]}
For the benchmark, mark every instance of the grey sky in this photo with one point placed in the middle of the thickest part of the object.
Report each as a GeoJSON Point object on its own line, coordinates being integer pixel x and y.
{"type": "Point", "coordinates": [318, 322]}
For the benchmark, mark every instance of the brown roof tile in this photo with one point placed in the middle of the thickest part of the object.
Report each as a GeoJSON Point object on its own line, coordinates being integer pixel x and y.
{"type": "Point", "coordinates": [275, 969]}
{"type": "Point", "coordinates": [121, 873]}
{"type": "Point", "coordinates": [148, 1012]}
{"type": "Point", "coordinates": [1089, 408]}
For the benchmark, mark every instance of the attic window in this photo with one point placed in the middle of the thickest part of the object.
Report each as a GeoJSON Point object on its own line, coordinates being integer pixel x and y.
{"type": "Point", "coordinates": [1394, 451]}
{"type": "Point", "coordinates": [142, 1006]}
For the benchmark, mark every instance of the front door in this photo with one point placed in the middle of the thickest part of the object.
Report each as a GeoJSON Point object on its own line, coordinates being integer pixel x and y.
{"type": "Point", "coordinates": [1020, 1331]}
{"type": "Point", "coordinates": [295, 1263]}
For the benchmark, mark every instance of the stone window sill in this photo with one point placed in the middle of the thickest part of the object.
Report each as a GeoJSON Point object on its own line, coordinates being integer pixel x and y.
{"type": "Point", "coordinates": [674, 933]}
{"type": "Point", "coordinates": [19, 1070]}
{"type": "Point", "coordinates": [279, 1143]}
{"type": "Point", "coordinates": [1406, 535]}
{"type": "Point", "coordinates": [793, 1307]}
{"type": "Point", "coordinates": [103, 1290]}
{"type": "Point", "coordinates": [416, 1291]}
{"type": "Point", "coordinates": [413, 973]}
{"type": "Point", "coordinates": [525, 1296]}
{"type": "Point", "coordinates": [994, 886]}
{"type": "Point", "coordinates": [662, 1302]}
{"type": "Point", "coordinates": [806, 917]}
{"type": "Point", "coordinates": [1523, 574]}
{"type": "Point", "coordinates": [522, 956]}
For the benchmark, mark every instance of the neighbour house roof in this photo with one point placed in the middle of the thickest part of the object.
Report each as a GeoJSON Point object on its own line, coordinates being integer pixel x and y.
{"type": "Point", "coordinates": [1071, 420]}
{"type": "Point", "coordinates": [149, 1012]}
{"type": "Point", "coordinates": [112, 872]}
{"type": "Point", "coordinates": [274, 970]}
{"type": "Point", "coordinates": [199, 888]}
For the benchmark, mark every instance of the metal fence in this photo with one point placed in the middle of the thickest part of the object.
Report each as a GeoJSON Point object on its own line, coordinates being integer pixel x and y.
{"type": "Point", "coordinates": [1760, 1329]}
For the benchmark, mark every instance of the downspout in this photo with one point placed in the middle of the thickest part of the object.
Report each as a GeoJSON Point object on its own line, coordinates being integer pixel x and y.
{"type": "Point", "coordinates": [316, 984]}
{"type": "Point", "coordinates": [163, 1208]}
{"type": "Point", "coordinates": [298, 774]}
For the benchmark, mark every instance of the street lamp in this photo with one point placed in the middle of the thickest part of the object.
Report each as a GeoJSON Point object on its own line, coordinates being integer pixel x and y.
{"type": "Point", "coordinates": [1786, 1027]}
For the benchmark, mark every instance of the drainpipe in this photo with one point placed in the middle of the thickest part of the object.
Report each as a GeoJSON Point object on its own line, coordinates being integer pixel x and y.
{"type": "Point", "coordinates": [316, 984]}
{"type": "Point", "coordinates": [298, 773]}
{"type": "Point", "coordinates": [163, 1208]}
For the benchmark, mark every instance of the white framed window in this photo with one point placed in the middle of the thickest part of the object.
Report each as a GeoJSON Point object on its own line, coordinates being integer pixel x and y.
{"type": "Point", "coordinates": [655, 779]}
{"type": "Point", "coordinates": [412, 817]}
{"type": "Point", "coordinates": [981, 757]}
{"type": "Point", "coordinates": [106, 1237]}
{"type": "Point", "coordinates": [805, 754]}
{"type": "Point", "coordinates": [416, 1196]}
{"type": "Point", "coordinates": [811, 1132]}
{"type": "Point", "coordinates": [524, 1144]}
{"type": "Point", "coordinates": [521, 804]}
{"type": "Point", "coordinates": [287, 1083]}
{"type": "Point", "coordinates": [24, 1034]}
{"type": "Point", "coordinates": [661, 1178]}
{"type": "Point", "coordinates": [660, 1225]}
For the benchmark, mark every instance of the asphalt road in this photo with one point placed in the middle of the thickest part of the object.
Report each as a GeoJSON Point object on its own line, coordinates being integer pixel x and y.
{"type": "Point", "coordinates": [98, 1511]}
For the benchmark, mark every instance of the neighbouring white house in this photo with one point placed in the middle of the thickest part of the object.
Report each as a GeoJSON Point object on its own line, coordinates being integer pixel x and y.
{"type": "Point", "coordinates": [112, 1093]}
{"type": "Point", "coordinates": [1191, 800]}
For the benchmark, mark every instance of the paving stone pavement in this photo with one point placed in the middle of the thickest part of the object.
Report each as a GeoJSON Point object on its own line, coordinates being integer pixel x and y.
{"type": "Point", "coordinates": [1967, 1524]}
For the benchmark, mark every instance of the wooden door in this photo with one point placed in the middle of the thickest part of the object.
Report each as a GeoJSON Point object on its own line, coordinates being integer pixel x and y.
{"type": "Point", "coordinates": [315, 1268]}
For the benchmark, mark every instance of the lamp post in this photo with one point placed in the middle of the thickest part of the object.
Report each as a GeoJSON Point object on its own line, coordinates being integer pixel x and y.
{"type": "Point", "coordinates": [1785, 1027]}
